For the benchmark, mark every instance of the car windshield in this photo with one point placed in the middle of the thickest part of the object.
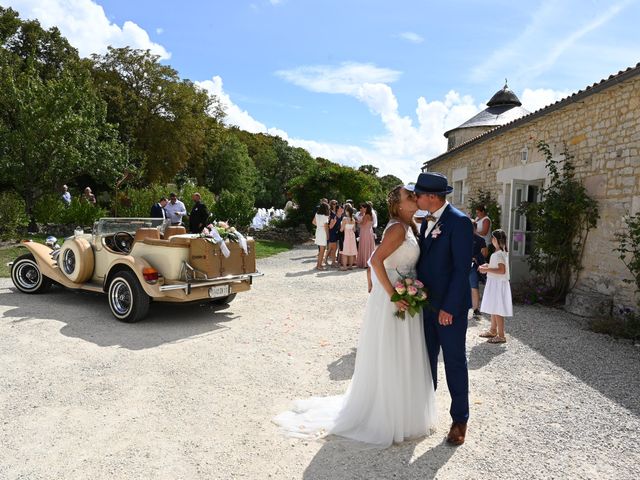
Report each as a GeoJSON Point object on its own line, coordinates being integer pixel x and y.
{"type": "Point", "coordinates": [106, 226]}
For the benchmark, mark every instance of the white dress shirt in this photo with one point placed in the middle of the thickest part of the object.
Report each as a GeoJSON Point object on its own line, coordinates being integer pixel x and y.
{"type": "Point", "coordinates": [437, 214]}
{"type": "Point", "coordinates": [175, 211]}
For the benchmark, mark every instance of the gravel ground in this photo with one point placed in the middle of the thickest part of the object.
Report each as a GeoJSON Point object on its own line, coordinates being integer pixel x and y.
{"type": "Point", "coordinates": [189, 392]}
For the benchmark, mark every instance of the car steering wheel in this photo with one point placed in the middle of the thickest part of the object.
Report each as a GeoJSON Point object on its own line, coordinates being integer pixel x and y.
{"type": "Point", "coordinates": [123, 241]}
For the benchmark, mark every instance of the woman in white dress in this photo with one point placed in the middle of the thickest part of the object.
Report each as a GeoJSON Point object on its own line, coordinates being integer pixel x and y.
{"type": "Point", "coordinates": [390, 397]}
{"type": "Point", "coordinates": [321, 221]}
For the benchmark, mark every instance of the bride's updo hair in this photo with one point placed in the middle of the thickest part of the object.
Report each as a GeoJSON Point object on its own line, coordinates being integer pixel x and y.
{"type": "Point", "coordinates": [393, 203]}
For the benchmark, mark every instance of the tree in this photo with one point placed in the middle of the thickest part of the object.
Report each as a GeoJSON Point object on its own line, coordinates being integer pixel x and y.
{"type": "Point", "coordinates": [330, 180]}
{"type": "Point", "coordinates": [369, 169]}
{"type": "Point", "coordinates": [52, 123]}
{"type": "Point", "coordinates": [389, 182]}
{"type": "Point", "coordinates": [162, 119]}
{"type": "Point", "coordinates": [228, 166]}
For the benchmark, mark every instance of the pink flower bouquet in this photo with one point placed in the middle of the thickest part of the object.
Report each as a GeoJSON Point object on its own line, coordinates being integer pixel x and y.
{"type": "Point", "coordinates": [412, 291]}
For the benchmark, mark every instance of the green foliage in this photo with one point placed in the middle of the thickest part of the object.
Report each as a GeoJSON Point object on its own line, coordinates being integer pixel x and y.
{"type": "Point", "coordinates": [236, 208]}
{"type": "Point", "coordinates": [12, 215]}
{"type": "Point", "coordinates": [629, 248]}
{"type": "Point", "coordinates": [206, 196]}
{"type": "Point", "coordinates": [49, 208]}
{"type": "Point", "coordinates": [369, 169]}
{"type": "Point", "coordinates": [137, 202]}
{"type": "Point", "coordinates": [333, 181]}
{"type": "Point", "coordinates": [229, 166]}
{"type": "Point", "coordinates": [52, 127]}
{"type": "Point", "coordinates": [162, 119]}
{"type": "Point", "coordinates": [389, 182]}
{"type": "Point", "coordinates": [267, 248]}
{"type": "Point", "coordinates": [626, 325]}
{"type": "Point", "coordinates": [81, 213]}
{"type": "Point", "coordinates": [493, 209]}
{"type": "Point", "coordinates": [560, 224]}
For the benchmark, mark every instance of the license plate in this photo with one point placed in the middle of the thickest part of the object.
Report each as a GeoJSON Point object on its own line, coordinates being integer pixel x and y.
{"type": "Point", "coordinates": [219, 291]}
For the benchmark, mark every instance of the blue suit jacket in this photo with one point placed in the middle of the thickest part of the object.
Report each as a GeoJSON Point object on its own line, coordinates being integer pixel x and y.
{"type": "Point", "coordinates": [157, 211]}
{"type": "Point", "coordinates": [445, 263]}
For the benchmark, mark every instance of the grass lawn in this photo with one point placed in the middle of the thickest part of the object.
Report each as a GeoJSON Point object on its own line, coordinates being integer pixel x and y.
{"type": "Point", "coordinates": [266, 248]}
{"type": "Point", "coordinates": [9, 255]}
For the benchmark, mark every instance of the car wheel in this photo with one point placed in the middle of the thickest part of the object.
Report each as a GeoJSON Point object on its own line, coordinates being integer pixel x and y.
{"type": "Point", "coordinates": [27, 277]}
{"type": "Point", "coordinates": [223, 300]}
{"type": "Point", "coordinates": [127, 300]}
{"type": "Point", "coordinates": [76, 260]}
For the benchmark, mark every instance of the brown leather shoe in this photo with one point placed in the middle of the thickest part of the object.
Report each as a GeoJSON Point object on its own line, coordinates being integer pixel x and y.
{"type": "Point", "coordinates": [457, 433]}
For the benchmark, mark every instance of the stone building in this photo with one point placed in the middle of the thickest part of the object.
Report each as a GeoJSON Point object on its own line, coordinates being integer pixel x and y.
{"type": "Point", "coordinates": [600, 126]}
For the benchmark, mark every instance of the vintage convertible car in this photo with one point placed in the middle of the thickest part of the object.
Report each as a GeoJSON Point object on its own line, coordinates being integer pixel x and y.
{"type": "Point", "coordinates": [136, 261]}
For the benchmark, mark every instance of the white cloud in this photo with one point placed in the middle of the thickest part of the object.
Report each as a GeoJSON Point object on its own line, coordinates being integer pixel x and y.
{"type": "Point", "coordinates": [534, 100]}
{"type": "Point", "coordinates": [234, 114]}
{"type": "Point", "coordinates": [86, 26]}
{"type": "Point", "coordinates": [554, 31]}
{"type": "Point", "coordinates": [346, 79]}
{"type": "Point", "coordinates": [403, 148]}
{"type": "Point", "coordinates": [411, 37]}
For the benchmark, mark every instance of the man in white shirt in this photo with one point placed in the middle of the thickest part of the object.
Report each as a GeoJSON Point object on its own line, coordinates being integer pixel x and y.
{"type": "Point", "coordinates": [175, 210]}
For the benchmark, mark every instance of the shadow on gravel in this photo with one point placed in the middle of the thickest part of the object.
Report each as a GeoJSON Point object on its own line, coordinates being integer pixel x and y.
{"type": "Point", "coordinates": [343, 459]}
{"type": "Point", "coordinates": [342, 369]}
{"type": "Point", "coordinates": [482, 354]}
{"type": "Point", "coordinates": [87, 316]}
{"type": "Point", "coordinates": [605, 364]}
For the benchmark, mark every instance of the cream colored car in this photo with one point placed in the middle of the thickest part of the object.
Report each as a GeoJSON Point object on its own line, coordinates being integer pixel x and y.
{"type": "Point", "coordinates": [136, 261]}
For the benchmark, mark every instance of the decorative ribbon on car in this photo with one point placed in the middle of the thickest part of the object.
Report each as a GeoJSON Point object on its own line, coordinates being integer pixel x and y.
{"type": "Point", "coordinates": [215, 236]}
{"type": "Point", "coordinates": [242, 242]}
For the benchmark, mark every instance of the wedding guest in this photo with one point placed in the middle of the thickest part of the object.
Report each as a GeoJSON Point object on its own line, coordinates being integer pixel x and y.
{"type": "Point", "coordinates": [89, 197]}
{"type": "Point", "coordinates": [374, 216]}
{"type": "Point", "coordinates": [350, 248]}
{"type": "Point", "coordinates": [340, 213]}
{"type": "Point", "coordinates": [321, 221]}
{"type": "Point", "coordinates": [175, 210]}
{"type": "Point", "coordinates": [474, 276]}
{"type": "Point", "coordinates": [66, 196]}
{"type": "Point", "coordinates": [367, 243]}
{"type": "Point", "coordinates": [157, 209]}
{"type": "Point", "coordinates": [496, 299]}
{"type": "Point", "coordinates": [199, 214]}
{"type": "Point", "coordinates": [334, 229]}
{"type": "Point", "coordinates": [484, 227]}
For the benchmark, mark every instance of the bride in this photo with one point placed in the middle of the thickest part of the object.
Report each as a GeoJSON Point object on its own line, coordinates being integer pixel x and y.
{"type": "Point", "coordinates": [390, 397]}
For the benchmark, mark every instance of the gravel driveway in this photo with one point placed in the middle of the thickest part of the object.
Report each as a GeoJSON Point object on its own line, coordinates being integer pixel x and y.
{"type": "Point", "coordinates": [189, 392]}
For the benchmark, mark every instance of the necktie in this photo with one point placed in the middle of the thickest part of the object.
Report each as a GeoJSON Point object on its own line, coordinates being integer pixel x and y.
{"type": "Point", "coordinates": [430, 218]}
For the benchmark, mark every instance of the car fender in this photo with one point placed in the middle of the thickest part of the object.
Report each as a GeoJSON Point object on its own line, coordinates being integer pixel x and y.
{"type": "Point", "coordinates": [48, 266]}
{"type": "Point", "coordinates": [135, 265]}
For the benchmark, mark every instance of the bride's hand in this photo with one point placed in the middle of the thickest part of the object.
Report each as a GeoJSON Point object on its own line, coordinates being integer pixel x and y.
{"type": "Point", "coordinates": [401, 305]}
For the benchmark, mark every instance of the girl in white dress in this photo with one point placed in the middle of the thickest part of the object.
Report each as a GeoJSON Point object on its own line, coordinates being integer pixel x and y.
{"type": "Point", "coordinates": [321, 221]}
{"type": "Point", "coordinates": [390, 397]}
{"type": "Point", "coordinates": [496, 299]}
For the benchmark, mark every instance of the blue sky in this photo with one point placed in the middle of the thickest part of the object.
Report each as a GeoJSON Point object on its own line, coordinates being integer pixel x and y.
{"type": "Point", "coordinates": [363, 81]}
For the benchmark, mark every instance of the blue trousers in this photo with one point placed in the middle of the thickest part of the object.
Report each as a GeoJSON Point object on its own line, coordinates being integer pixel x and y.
{"type": "Point", "coordinates": [451, 339]}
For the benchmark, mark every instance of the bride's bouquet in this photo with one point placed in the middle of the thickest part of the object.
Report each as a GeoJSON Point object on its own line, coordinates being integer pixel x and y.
{"type": "Point", "coordinates": [412, 291]}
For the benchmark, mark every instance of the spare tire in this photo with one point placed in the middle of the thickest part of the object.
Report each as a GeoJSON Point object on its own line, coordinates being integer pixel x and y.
{"type": "Point", "coordinates": [76, 260]}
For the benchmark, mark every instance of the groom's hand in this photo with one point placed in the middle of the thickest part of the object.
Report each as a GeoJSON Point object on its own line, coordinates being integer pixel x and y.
{"type": "Point", "coordinates": [445, 318]}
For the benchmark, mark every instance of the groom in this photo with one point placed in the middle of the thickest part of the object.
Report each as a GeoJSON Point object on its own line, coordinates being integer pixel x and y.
{"type": "Point", "coordinates": [446, 241]}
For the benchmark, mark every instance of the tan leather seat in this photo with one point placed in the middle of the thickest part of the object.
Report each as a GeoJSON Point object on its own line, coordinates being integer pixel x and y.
{"type": "Point", "coordinates": [175, 230]}
{"type": "Point", "coordinates": [143, 233]}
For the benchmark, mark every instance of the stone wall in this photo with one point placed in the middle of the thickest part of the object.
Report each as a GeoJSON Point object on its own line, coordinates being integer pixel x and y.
{"type": "Point", "coordinates": [602, 131]}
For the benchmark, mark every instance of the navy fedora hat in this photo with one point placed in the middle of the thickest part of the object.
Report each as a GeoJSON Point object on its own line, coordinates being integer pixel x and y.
{"type": "Point", "coordinates": [431, 182]}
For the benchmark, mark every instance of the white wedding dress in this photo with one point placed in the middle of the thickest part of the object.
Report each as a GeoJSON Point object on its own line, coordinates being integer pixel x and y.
{"type": "Point", "coordinates": [390, 397]}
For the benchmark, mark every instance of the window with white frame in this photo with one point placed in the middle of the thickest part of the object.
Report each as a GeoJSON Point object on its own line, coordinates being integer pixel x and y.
{"type": "Point", "coordinates": [458, 192]}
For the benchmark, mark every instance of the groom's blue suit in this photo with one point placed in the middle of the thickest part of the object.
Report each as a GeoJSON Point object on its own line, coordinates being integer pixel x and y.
{"type": "Point", "coordinates": [444, 265]}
